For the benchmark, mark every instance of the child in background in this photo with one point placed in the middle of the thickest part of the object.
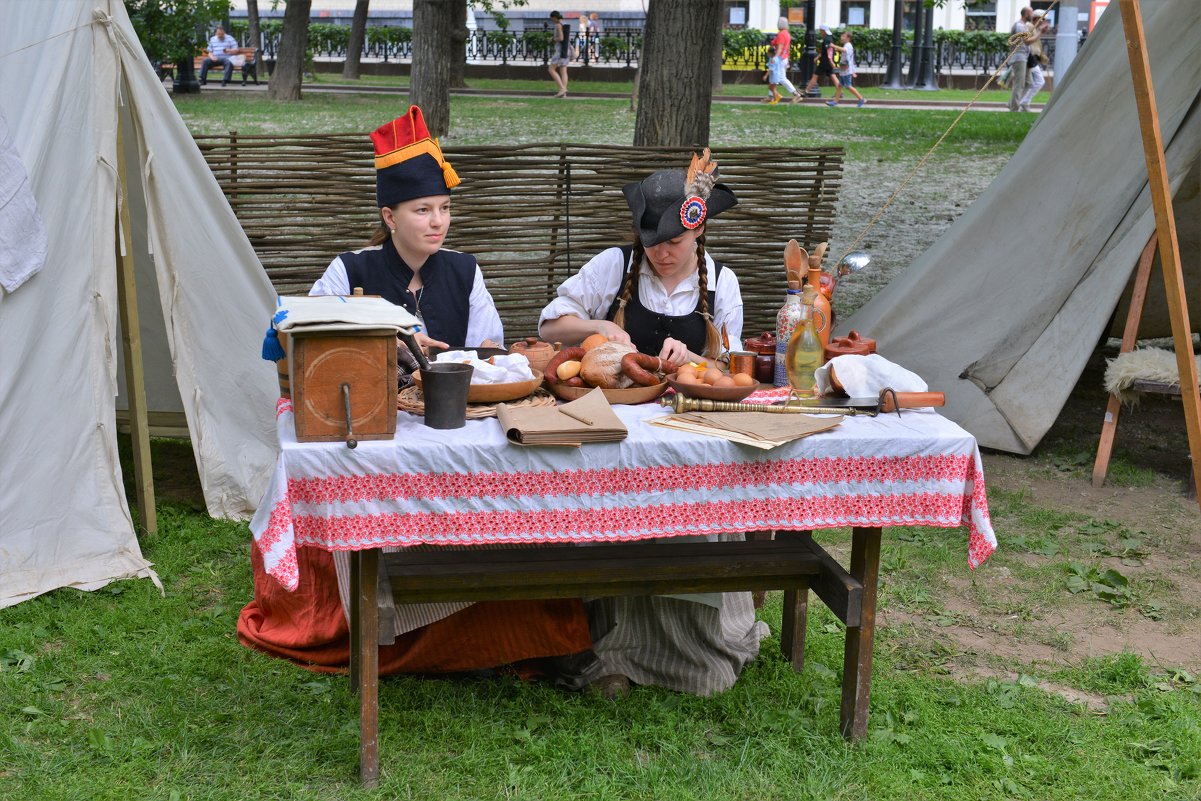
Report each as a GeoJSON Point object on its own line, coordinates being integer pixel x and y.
{"type": "Point", "coordinates": [775, 76]}
{"type": "Point", "coordinates": [846, 71]}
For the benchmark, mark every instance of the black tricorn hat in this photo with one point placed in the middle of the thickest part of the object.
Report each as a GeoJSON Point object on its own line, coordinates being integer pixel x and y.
{"type": "Point", "coordinates": [661, 208]}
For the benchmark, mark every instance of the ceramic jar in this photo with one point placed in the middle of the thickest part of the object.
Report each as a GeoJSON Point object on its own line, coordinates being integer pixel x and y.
{"type": "Point", "coordinates": [537, 351]}
{"type": "Point", "coordinates": [853, 344]}
{"type": "Point", "coordinates": [764, 348]}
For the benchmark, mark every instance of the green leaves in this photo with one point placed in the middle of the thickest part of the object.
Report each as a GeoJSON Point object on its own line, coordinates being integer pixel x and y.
{"type": "Point", "coordinates": [1109, 585]}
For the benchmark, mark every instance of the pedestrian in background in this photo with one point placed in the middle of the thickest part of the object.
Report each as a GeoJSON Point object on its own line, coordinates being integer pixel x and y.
{"type": "Point", "coordinates": [560, 53]}
{"type": "Point", "coordinates": [846, 71]}
{"type": "Point", "coordinates": [1018, 80]}
{"type": "Point", "coordinates": [1035, 61]}
{"type": "Point", "coordinates": [783, 45]}
{"type": "Point", "coordinates": [825, 61]}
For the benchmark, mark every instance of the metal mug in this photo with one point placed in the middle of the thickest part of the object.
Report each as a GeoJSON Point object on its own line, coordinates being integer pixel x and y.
{"type": "Point", "coordinates": [742, 362]}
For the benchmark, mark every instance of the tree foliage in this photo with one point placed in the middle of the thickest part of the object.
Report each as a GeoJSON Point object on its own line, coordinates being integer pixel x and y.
{"type": "Point", "coordinates": [175, 30]}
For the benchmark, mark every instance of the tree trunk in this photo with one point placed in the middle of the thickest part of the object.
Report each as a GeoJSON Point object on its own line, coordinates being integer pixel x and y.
{"type": "Point", "coordinates": [253, 36]}
{"type": "Point", "coordinates": [458, 44]}
{"type": "Point", "coordinates": [718, 50]}
{"type": "Point", "coordinates": [354, 47]}
{"type": "Point", "coordinates": [429, 86]}
{"type": "Point", "coordinates": [676, 86]}
{"type": "Point", "coordinates": [293, 43]}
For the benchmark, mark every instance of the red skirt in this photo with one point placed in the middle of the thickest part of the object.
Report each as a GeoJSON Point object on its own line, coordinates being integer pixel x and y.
{"type": "Point", "coordinates": [309, 627]}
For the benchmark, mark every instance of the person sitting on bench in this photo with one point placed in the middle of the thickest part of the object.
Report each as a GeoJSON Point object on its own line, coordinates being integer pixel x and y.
{"type": "Point", "coordinates": [220, 46]}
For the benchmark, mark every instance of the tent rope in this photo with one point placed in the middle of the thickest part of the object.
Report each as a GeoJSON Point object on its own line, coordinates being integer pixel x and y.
{"type": "Point", "coordinates": [1015, 41]}
{"type": "Point", "coordinates": [42, 41]}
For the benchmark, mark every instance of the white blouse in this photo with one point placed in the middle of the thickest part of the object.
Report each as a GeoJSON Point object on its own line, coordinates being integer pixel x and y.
{"type": "Point", "coordinates": [589, 293]}
{"type": "Point", "coordinates": [483, 322]}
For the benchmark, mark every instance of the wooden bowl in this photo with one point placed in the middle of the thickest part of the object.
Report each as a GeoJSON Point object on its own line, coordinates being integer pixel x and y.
{"type": "Point", "coordinates": [497, 393]}
{"type": "Point", "coordinates": [710, 392]}
{"type": "Point", "coordinates": [630, 395]}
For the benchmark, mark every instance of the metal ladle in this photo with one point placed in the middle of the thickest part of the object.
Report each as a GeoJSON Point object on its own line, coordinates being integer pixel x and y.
{"type": "Point", "coordinates": [852, 262]}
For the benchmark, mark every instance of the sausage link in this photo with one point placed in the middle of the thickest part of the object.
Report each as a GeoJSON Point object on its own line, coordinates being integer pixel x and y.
{"type": "Point", "coordinates": [575, 381]}
{"type": "Point", "coordinates": [641, 368]}
{"type": "Point", "coordinates": [551, 371]}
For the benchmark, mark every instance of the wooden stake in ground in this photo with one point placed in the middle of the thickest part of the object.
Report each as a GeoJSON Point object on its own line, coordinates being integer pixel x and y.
{"type": "Point", "coordinates": [1165, 223]}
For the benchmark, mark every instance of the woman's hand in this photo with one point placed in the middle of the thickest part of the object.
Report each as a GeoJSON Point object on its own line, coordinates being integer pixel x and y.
{"type": "Point", "coordinates": [614, 332]}
{"type": "Point", "coordinates": [674, 351]}
{"type": "Point", "coordinates": [425, 343]}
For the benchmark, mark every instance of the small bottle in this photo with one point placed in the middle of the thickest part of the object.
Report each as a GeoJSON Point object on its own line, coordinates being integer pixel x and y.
{"type": "Point", "coordinates": [804, 354]}
{"type": "Point", "coordinates": [786, 321]}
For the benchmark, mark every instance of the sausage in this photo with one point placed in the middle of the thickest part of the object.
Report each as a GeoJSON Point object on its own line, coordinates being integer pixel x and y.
{"type": "Point", "coordinates": [551, 371]}
{"type": "Point", "coordinates": [642, 368]}
{"type": "Point", "coordinates": [575, 381]}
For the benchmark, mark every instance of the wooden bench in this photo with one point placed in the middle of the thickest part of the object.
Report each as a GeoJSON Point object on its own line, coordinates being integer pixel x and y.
{"type": "Point", "coordinates": [531, 213]}
{"type": "Point", "coordinates": [793, 562]}
{"type": "Point", "coordinates": [249, 68]}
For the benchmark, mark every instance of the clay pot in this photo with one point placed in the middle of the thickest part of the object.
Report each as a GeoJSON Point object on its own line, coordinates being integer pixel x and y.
{"type": "Point", "coordinates": [537, 351]}
{"type": "Point", "coordinates": [851, 344]}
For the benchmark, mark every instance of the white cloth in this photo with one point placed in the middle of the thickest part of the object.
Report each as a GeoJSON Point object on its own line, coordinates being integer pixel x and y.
{"type": "Point", "coordinates": [329, 313]}
{"type": "Point", "coordinates": [589, 293]}
{"type": "Point", "coordinates": [501, 370]}
{"type": "Point", "coordinates": [218, 46]}
{"type": "Point", "coordinates": [865, 376]}
{"type": "Point", "coordinates": [23, 242]}
{"type": "Point", "coordinates": [471, 486]}
{"type": "Point", "coordinates": [483, 321]}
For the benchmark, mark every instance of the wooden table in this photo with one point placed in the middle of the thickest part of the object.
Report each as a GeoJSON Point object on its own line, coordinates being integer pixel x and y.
{"type": "Point", "coordinates": [471, 487]}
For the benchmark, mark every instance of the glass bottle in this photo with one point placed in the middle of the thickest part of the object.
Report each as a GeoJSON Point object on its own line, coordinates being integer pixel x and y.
{"type": "Point", "coordinates": [786, 320]}
{"type": "Point", "coordinates": [804, 354]}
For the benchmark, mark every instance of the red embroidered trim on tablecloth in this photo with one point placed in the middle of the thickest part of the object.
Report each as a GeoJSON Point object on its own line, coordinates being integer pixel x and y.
{"type": "Point", "coordinates": [285, 568]}
{"type": "Point", "coordinates": [283, 405]}
{"type": "Point", "coordinates": [628, 480]}
{"type": "Point", "coordinates": [347, 532]}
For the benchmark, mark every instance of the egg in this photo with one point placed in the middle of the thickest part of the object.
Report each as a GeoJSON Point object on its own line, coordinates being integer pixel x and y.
{"type": "Point", "coordinates": [711, 375]}
{"type": "Point", "coordinates": [685, 377]}
{"type": "Point", "coordinates": [743, 380]}
{"type": "Point", "coordinates": [724, 381]}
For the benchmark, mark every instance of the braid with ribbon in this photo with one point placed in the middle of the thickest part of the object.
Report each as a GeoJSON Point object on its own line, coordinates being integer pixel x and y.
{"type": "Point", "coordinates": [637, 252]}
{"type": "Point", "coordinates": [712, 337]}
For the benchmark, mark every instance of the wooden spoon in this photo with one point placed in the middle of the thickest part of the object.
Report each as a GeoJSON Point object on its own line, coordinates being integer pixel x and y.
{"type": "Point", "coordinates": [795, 259]}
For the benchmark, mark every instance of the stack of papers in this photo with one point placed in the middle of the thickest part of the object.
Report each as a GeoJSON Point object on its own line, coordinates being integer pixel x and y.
{"type": "Point", "coordinates": [586, 419]}
{"type": "Point", "coordinates": [335, 313]}
{"type": "Point", "coordinates": [764, 430]}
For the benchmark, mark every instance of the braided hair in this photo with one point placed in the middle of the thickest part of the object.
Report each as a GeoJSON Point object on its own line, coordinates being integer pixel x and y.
{"type": "Point", "coordinates": [637, 253]}
{"type": "Point", "coordinates": [712, 338]}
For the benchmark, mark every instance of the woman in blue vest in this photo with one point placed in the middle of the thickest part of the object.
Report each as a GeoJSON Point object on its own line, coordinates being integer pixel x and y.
{"type": "Point", "coordinates": [405, 262]}
{"type": "Point", "coordinates": [407, 265]}
{"type": "Point", "coordinates": [668, 297]}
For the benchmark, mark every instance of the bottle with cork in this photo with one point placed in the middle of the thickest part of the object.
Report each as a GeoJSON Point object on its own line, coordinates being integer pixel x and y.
{"type": "Point", "coordinates": [804, 353]}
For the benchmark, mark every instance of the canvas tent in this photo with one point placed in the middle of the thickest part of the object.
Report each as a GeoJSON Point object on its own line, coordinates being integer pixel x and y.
{"type": "Point", "coordinates": [74, 82]}
{"type": "Point", "coordinates": [1004, 310]}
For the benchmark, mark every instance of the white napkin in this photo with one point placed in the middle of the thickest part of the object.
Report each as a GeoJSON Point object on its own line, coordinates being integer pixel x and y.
{"type": "Point", "coordinates": [865, 376]}
{"type": "Point", "coordinates": [506, 369]}
{"type": "Point", "coordinates": [332, 313]}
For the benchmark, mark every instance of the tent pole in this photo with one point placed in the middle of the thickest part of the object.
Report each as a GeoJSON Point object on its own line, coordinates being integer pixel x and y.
{"type": "Point", "coordinates": [131, 343]}
{"type": "Point", "coordinates": [1165, 223]}
{"type": "Point", "coordinates": [1138, 297]}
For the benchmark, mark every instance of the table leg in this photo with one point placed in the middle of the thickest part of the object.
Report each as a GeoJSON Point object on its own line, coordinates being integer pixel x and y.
{"type": "Point", "coordinates": [792, 627]}
{"type": "Point", "coordinates": [368, 664]}
{"type": "Point", "coordinates": [355, 622]}
{"type": "Point", "coordinates": [857, 652]}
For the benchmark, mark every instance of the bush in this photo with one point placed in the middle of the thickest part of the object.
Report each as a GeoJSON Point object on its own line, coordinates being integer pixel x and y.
{"type": "Point", "coordinates": [537, 41]}
{"type": "Point", "coordinates": [612, 47]}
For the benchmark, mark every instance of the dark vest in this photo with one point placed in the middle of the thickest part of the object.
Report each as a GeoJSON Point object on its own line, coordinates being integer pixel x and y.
{"type": "Point", "coordinates": [648, 329]}
{"type": "Point", "coordinates": [444, 297]}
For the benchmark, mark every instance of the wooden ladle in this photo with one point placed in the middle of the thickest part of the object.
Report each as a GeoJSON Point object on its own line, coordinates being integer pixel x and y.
{"type": "Point", "coordinates": [795, 261]}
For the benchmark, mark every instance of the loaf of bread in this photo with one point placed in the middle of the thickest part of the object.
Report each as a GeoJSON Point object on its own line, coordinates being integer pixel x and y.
{"type": "Point", "coordinates": [601, 366]}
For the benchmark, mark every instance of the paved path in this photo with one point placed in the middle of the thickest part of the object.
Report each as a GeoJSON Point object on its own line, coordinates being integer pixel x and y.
{"type": "Point", "coordinates": [923, 101]}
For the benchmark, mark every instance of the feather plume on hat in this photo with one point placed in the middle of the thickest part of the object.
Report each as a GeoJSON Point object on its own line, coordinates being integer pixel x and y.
{"type": "Point", "coordinates": [701, 176]}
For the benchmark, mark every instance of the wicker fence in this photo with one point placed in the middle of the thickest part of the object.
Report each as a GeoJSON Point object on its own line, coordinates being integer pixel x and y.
{"type": "Point", "coordinates": [532, 214]}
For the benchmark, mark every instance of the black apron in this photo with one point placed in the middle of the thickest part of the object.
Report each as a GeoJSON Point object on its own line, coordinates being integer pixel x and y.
{"type": "Point", "coordinates": [648, 329]}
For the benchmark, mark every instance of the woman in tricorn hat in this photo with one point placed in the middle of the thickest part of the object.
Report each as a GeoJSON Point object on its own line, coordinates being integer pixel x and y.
{"type": "Point", "coordinates": [407, 265]}
{"type": "Point", "coordinates": [667, 296]}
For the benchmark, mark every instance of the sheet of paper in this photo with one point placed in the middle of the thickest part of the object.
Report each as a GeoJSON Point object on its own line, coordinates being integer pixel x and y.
{"type": "Point", "coordinates": [586, 419]}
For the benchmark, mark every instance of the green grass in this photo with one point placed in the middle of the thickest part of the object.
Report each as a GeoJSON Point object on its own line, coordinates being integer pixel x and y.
{"type": "Point", "coordinates": [869, 134]}
{"type": "Point", "coordinates": [747, 88]}
{"type": "Point", "coordinates": [152, 696]}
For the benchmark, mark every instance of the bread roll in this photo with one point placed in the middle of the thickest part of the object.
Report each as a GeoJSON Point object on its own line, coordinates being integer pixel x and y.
{"type": "Point", "coordinates": [601, 366]}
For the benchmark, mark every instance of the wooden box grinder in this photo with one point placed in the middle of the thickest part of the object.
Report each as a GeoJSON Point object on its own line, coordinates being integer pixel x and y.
{"type": "Point", "coordinates": [326, 367]}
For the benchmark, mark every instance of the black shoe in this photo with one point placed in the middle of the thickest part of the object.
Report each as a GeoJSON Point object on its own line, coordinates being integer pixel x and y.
{"type": "Point", "coordinates": [225, 83]}
{"type": "Point", "coordinates": [204, 83]}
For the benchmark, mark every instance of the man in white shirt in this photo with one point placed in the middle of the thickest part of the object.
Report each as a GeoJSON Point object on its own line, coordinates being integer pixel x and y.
{"type": "Point", "coordinates": [221, 46]}
{"type": "Point", "coordinates": [1018, 79]}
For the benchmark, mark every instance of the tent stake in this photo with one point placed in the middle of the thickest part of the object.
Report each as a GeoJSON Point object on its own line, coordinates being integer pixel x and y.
{"type": "Point", "coordinates": [131, 343]}
{"type": "Point", "coordinates": [1165, 223]}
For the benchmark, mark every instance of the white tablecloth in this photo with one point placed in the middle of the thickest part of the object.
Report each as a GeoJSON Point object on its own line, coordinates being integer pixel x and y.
{"type": "Point", "coordinates": [471, 486]}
